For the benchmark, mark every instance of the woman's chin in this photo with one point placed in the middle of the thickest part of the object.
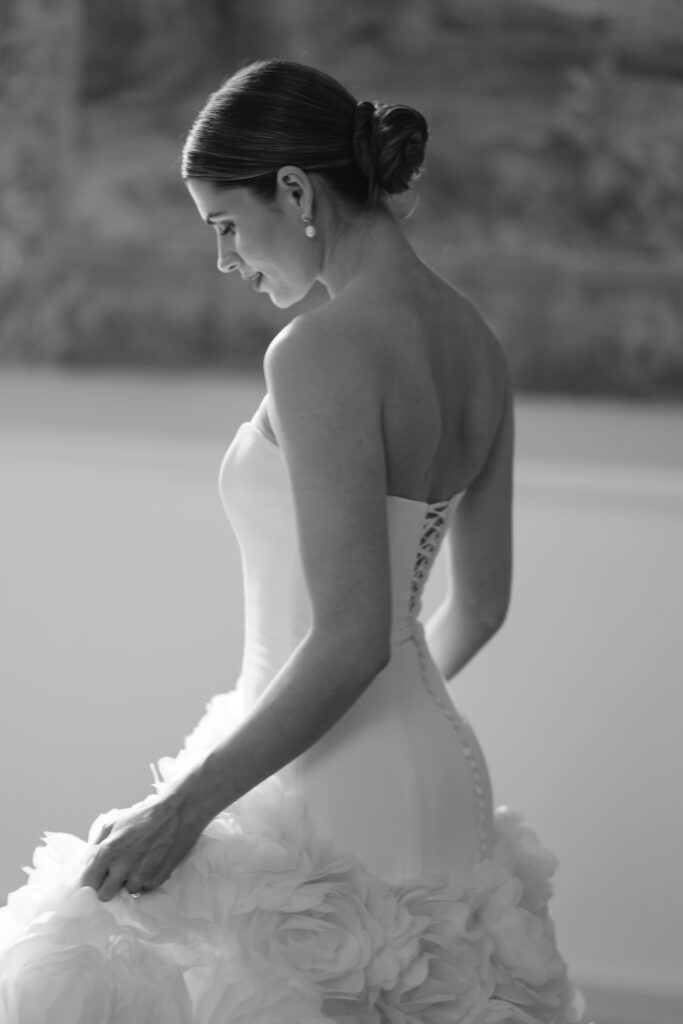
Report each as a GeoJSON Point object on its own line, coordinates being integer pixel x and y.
{"type": "Point", "coordinates": [284, 298]}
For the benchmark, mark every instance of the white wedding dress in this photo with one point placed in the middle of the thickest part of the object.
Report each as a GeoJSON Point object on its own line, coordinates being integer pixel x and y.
{"type": "Point", "coordinates": [370, 881]}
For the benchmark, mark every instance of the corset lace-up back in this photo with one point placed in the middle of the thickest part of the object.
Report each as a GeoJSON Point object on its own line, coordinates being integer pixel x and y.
{"type": "Point", "coordinates": [431, 536]}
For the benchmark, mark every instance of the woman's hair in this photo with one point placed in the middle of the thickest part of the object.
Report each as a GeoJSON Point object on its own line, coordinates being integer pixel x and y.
{"type": "Point", "coordinates": [277, 112]}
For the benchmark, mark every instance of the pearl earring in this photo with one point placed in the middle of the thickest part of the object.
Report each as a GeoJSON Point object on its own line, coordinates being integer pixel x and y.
{"type": "Point", "coordinates": [310, 230]}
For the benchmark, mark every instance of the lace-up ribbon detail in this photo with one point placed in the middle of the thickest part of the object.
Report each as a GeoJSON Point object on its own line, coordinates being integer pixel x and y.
{"type": "Point", "coordinates": [433, 528]}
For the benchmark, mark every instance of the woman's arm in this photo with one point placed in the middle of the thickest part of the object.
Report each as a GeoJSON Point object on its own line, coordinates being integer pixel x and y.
{"type": "Point", "coordinates": [315, 687]}
{"type": "Point", "coordinates": [326, 413]}
{"type": "Point", "coordinates": [478, 548]}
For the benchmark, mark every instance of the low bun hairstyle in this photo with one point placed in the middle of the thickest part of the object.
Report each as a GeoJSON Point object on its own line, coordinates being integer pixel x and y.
{"type": "Point", "coordinates": [389, 143]}
{"type": "Point", "coordinates": [277, 112]}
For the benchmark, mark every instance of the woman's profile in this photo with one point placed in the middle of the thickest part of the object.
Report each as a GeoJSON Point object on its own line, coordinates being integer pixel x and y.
{"type": "Point", "coordinates": [326, 846]}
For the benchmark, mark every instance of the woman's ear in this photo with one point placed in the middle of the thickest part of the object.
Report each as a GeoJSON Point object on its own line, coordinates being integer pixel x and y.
{"type": "Point", "coordinates": [294, 186]}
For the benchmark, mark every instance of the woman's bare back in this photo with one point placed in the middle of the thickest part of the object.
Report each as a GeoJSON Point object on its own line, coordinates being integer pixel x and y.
{"type": "Point", "coordinates": [442, 375]}
{"type": "Point", "coordinates": [445, 381]}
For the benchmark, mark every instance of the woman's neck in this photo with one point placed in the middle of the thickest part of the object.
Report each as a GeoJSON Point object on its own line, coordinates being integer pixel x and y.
{"type": "Point", "coordinates": [370, 244]}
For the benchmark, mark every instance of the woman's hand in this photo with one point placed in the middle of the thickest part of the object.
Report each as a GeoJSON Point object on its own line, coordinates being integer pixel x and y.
{"type": "Point", "coordinates": [138, 848]}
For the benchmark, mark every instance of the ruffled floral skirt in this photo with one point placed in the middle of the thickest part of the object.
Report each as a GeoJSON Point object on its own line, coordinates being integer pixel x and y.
{"type": "Point", "coordinates": [267, 922]}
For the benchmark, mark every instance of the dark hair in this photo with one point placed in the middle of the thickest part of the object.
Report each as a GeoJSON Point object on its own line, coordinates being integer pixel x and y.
{"type": "Point", "coordinates": [277, 112]}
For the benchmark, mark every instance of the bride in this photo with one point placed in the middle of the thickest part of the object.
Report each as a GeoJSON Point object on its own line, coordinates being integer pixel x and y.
{"type": "Point", "coordinates": [325, 847]}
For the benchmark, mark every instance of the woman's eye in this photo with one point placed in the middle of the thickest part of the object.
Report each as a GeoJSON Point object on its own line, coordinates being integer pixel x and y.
{"type": "Point", "coordinates": [225, 227]}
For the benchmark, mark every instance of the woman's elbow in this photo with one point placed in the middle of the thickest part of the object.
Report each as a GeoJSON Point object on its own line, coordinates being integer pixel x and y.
{"type": "Point", "coordinates": [373, 649]}
{"type": "Point", "coordinates": [381, 656]}
{"type": "Point", "coordinates": [494, 617]}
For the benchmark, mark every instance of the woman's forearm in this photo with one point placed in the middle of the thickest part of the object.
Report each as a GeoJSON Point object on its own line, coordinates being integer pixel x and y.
{"type": "Point", "coordinates": [453, 640]}
{"type": "Point", "coordinates": [316, 686]}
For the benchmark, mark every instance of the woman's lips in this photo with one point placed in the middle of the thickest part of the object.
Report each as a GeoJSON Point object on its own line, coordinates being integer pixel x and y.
{"type": "Point", "coordinates": [255, 280]}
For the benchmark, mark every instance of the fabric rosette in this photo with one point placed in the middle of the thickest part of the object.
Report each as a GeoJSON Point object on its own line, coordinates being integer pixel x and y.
{"type": "Point", "coordinates": [53, 877]}
{"type": "Point", "coordinates": [531, 982]}
{"type": "Point", "coordinates": [256, 995]}
{"type": "Point", "coordinates": [448, 980]}
{"type": "Point", "coordinates": [77, 964]}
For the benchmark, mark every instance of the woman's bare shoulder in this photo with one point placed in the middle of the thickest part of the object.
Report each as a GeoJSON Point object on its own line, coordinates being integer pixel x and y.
{"type": "Point", "coordinates": [332, 338]}
{"type": "Point", "coordinates": [318, 363]}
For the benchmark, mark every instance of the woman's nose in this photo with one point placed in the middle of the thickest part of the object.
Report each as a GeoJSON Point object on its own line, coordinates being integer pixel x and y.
{"type": "Point", "coordinates": [227, 260]}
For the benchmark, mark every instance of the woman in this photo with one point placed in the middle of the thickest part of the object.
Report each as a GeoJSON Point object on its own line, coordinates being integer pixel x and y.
{"type": "Point", "coordinates": [325, 846]}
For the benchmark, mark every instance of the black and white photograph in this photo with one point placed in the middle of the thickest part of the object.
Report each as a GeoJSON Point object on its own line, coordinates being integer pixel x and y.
{"type": "Point", "coordinates": [341, 511]}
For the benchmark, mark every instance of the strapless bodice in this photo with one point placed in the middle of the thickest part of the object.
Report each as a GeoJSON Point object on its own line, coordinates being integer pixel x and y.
{"type": "Point", "coordinates": [256, 494]}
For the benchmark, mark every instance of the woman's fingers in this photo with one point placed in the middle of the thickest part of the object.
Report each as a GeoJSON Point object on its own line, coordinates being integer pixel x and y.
{"type": "Point", "coordinates": [105, 873]}
{"type": "Point", "coordinates": [95, 873]}
{"type": "Point", "coordinates": [134, 886]}
{"type": "Point", "coordinates": [111, 884]}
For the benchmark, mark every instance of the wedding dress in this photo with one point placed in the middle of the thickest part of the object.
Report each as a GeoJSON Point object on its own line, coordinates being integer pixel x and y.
{"type": "Point", "coordinates": [371, 881]}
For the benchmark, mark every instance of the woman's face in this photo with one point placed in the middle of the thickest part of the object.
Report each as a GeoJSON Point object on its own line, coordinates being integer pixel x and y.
{"type": "Point", "coordinates": [264, 242]}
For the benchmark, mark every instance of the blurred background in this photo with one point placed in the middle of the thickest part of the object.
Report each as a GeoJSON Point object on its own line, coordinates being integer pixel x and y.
{"type": "Point", "coordinates": [553, 197]}
{"type": "Point", "coordinates": [553, 192]}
